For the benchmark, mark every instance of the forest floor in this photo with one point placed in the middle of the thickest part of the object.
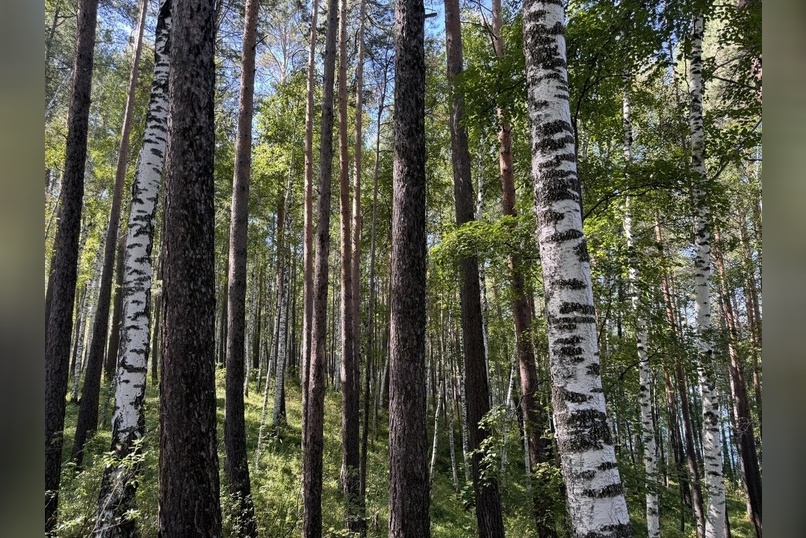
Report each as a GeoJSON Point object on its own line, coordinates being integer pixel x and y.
{"type": "Point", "coordinates": [276, 483]}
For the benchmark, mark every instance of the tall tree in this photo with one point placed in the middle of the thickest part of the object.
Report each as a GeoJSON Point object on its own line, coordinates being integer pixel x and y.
{"type": "Point", "coordinates": [349, 358]}
{"type": "Point", "coordinates": [236, 465]}
{"type": "Point", "coordinates": [711, 413]}
{"type": "Point", "coordinates": [64, 265]}
{"type": "Point", "coordinates": [314, 410]}
{"type": "Point", "coordinates": [485, 487]}
{"type": "Point", "coordinates": [641, 336]}
{"type": "Point", "coordinates": [90, 391]}
{"type": "Point", "coordinates": [188, 462]}
{"type": "Point", "coordinates": [128, 423]}
{"type": "Point", "coordinates": [307, 217]}
{"type": "Point", "coordinates": [594, 492]}
{"type": "Point", "coordinates": [538, 447]}
{"type": "Point", "coordinates": [408, 444]}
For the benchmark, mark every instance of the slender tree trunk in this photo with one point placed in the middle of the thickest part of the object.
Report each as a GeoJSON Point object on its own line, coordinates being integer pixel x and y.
{"type": "Point", "coordinates": [711, 413]}
{"type": "Point", "coordinates": [128, 424]}
{"type": "Point", "coordinates": [741, 406]}
{"type": "Point", "coordinates": [188, 468]}
{"type": "Point", "coordinates": [90, 391]}
{"type": "Point", "coordinates": [349, 359]}
{"type": "Point", "coordinates": [257, 330]}
{"type": "Point", "coordinates": [236, 465]}
{"type": "Point", "coordinates": [594, 491]}
{"type": "Point", "coordinates": [278, 413]}
{"type": "Point", "coordinates": [64, 265]}
{"type": "Point", "coordinates": [641, 334]}
{"type": "Point", "coordinates": [314, 402]}
{"type": "Point", "coordinates": [156, 335]}
{"type": "Point", "coordinates": [477, 391]}
{"type": "Point", "coordinates": [408, 439]}
{"type": "Point", "coordinates": [371, 307]}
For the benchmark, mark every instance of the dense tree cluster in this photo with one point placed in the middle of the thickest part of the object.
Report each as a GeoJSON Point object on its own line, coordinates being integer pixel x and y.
{"type": "Point", "coordinates": [536, 311]}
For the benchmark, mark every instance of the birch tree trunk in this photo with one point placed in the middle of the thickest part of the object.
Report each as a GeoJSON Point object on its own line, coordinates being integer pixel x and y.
{"type": "Point", "coordinates": [711, 412]}
{"type": "Point", "coordinates": [644, 369]}
{"type": "Point", "coordinates": [408, 439]}
{"type": "Point", "coordinates": [119, 482]}
{"type": "Point", "coordinates": [64, 264]}
{"type": "Point", "coordinates": [188, 466]}
{"type": "Point", "coordinates": [314, 402]}
{"type": "Point", "coordinates": [236, 465]}
{"type": "Point", "coordinates": [278, 414]}
{"type": "Point", "coordinates": [594, 491]}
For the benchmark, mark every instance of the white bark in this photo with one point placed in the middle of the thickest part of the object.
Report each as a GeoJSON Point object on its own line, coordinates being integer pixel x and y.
{"type": "Point", "coordinates": [128, 423]}
{"type": "Point", "coordinates": [595, 495]}
{"type": "Point", "coordinates": [644, 370]}
{"type": "Point", "coordinates": [711, 413]}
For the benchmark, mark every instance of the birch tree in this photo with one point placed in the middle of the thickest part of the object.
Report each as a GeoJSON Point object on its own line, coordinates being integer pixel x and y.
{"type": "Point", "coordinates": [711, 412]}
{"type": "Point", "coordinates": [119, 482]}
{"type": "Point", "coordinates": [594, 492]}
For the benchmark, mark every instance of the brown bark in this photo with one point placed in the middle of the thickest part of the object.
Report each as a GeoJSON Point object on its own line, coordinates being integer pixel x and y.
{"type": "Point", "coordinates": [64, 265]}
{"type": "Point", "coordinates": [88, 411]}
{"type": "Point", "coordinates": [314, 410]}
{"type": "Point", "coordinates": [236, 466]}
{"type": "Point", "coordinates": [682, 391]}
{"type": "Point", "coordinates": [188, 462]}
{"type": "Point", "coordinates": [741, 406]}
{"type": "Point", "coordinates": [488, 503]}
{"type": "Point", "coordinates": [408, 451]}
{"type": "Point", "coordinates": [349, 359]}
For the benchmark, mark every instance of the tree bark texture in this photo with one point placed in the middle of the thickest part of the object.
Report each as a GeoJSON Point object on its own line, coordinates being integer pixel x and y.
{"type": "Point", "coordinates": [594, 491]}
{"type": "Point", "coordinates": [711, 413]}
{"type": "Point", "coordinates": [128, 423]}
{"type": "Point", "coordinates": [90, 391]}
{"type": "Point", "coordinates": [408, 443]}
{"type": "Point", "coordinates": [64, 265]}
{"type": "Point", "coordinates": [236, 463]}
{"type": "Point", "coordinates": [485, 488]}
{"type": "Point", "coordinates": [349, 359]}
{"type": "Point", "coordinates": [315, 400]}
{"type": "Point", "coordinates": [188, 463]}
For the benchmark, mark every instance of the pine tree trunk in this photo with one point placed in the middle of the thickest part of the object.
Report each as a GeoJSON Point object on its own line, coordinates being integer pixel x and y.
{"type": "Point", "coordinates": [594, 491]}
{"type": "Point", "coordinates": [477, 390]}
{"type": "Point", "coordinates": [128, 424]}
{"type": "Point", "coordinates": [90, 391]}
{"type": "Point", "coordinates": [349, 360]}
{"type": "Point", "coordinates": [307, 246]}
{"type": "Point", "coordinates": [236, 465]}
{"type": "Point", "coordinates": [711, 414]}
{"type": "Point", "coordinates": [408, 439]}
{"type": "Point", "coordinates": [64, 264]}
{"type": "Point", "coordinates": [313, 410]}
{"type": "Point", "coordinates": [741, 406]}
{"type": "Point", "coordinates": [188, 466]}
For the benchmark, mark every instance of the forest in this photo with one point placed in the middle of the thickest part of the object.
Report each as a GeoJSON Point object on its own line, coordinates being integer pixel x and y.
{"type": "Point", "coordinates": [403, 268]}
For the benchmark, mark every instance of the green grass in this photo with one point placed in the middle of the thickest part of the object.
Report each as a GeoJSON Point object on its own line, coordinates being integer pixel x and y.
{"type": "Point", "coordinates": [276, 483]}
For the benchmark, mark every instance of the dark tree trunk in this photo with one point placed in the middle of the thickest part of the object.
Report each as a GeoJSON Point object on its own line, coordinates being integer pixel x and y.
{"type": "Point", "coordinates": [349, 358]}
{"type": "Point", "coordinates": [408, 451]}
{"type": "Point", "coordinates": [188, 467]}
{"type": "Point", "coordinates": [488, 502]}
{"type": "Point", "coordinates": [236, 466]}
{"type": "Point", "coordinates": [64, 265]}
{"type": "Point", "coordinates": [314, 410]}
{"type": "Point", "coordinates": [741, 405]}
